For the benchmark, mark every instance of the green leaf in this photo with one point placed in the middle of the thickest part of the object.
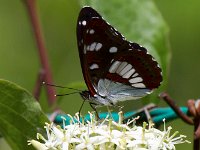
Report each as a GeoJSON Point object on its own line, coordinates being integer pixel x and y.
{"type": "Point", "coordinates": [139, 21]}
{"type": "Point", "coordinates": [20, 116]}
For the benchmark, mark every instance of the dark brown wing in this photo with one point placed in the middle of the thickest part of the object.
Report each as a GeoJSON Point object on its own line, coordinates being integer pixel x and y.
{"type": "Point", "coordinates": [100, 46]}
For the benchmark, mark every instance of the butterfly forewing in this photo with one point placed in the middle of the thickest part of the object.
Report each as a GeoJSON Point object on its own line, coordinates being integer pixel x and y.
{"type": "Point", "coordinates": [95, 38]}
{"type": "Point", "coordinates": [106, 54]}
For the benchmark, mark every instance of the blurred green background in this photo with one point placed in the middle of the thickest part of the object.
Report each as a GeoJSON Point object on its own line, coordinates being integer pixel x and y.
{"type": "Point", "coordinates": [19, 61]}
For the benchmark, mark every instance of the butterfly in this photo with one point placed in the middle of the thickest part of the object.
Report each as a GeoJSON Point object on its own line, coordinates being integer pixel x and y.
{"type": "Point", "coordinates": [113, 68]}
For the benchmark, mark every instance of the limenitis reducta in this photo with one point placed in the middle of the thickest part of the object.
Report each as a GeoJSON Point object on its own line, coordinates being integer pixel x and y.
{"type": "Point", "coordinates": [114, 69]}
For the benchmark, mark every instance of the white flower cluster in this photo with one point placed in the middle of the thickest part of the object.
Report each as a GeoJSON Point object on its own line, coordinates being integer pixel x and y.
{"type": "Point", "coordinates": [106, 135]}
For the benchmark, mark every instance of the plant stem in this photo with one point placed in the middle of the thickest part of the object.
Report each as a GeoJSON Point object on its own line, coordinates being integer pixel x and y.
{"type": "Point", "coordinates": [193, 110]}
{"type": "Point", "coordinates": [176, 109]}
{"type": "Point", "coordinates": [31, 6]}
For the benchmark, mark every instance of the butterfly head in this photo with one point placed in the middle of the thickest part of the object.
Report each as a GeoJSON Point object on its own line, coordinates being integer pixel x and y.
{"type": "Point", "coordinates": [85, 95]}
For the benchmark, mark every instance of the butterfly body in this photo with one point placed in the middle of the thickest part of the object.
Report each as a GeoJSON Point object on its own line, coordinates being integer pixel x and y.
{"type": "Point", "coordinates": [114, 69]}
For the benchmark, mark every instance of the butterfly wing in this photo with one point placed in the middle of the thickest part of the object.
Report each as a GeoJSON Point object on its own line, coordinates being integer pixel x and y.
{"type": "Point", "coordinates": [106, 54]}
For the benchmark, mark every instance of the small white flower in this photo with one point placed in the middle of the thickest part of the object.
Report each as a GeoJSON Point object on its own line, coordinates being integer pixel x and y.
{"type": "Point", "coordinates": [106, 135]}
{"type": "Point", "coordinates": [37, 145]}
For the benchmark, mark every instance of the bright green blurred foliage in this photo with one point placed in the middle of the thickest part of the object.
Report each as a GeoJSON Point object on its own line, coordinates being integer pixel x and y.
{"type": "Point", "coordinates": [58, 21]}
{"type": "Point", "coordinates": [183, 18]}
{"type": "Point", "coordinates": [21, 116]}
{"type": "Point", "coordinates": [19, 61]}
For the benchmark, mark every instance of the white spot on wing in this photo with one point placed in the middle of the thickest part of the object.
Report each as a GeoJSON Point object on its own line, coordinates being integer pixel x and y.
{"type": "Point", "coordinates": [98, 46]}
{"type": "Point", "coordinates": [91, 31]}
{"type": "Point", "coordinates": [126, 69]}
{"type": "Point", "coordinates": [139, 85]}
{"type": "Point", "coordinates": [129, 73]}
{"type": "Point", "coordinates": [153, 59]}
{"type": "Point", "coordinates": [94, 66]}
{"type": "Point", "coordinates": [135, 75]}
{"type": "Point", "coordinates": [84, 22]}
{"type": "Point", "coordinates": [136, 80]}
{"type": "Point", "coordinates": [116, 33]}
{"type": "Point", "coordinates": [122, 65]}
{"type": "Point", "coordinates": [92, 46]}
{"type": "Point", "coordinates": [113, 50]}
{"type": "Point", "coordinates": [114, 66]}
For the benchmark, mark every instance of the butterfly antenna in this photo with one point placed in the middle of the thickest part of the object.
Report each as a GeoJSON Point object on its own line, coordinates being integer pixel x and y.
{"type": "Point", "coordinates": [81, 108]}
{"type": "Point", "coordinates": [58, 86]}
{"type": "Point", "coordinates": [66, 94]}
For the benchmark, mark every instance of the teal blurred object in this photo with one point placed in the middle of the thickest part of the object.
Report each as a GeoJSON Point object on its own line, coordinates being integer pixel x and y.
{"type": "Point", "coordinates": [157, 114]}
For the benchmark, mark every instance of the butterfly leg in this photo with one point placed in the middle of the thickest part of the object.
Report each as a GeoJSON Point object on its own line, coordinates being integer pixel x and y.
{"type": "Point", "coordinates": [79, 112]}
{"type": "Point", "coordinates": [94, 108]}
